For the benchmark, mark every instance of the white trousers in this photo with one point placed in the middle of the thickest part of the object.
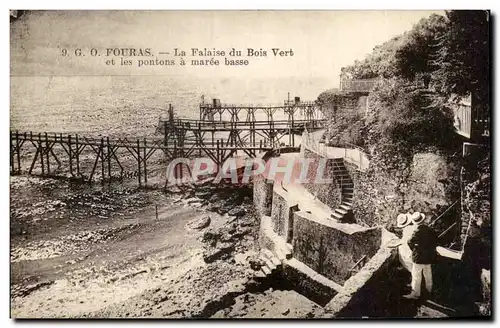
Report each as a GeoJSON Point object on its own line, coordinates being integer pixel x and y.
{"type": "Point", "coordinates": [417, 272]}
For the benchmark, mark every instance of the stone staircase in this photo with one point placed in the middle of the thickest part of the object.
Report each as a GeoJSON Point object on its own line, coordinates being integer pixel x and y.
{"type": "Point", "coordinates": [273, 261]}
{"type": "Point", "coordinates": [343, 213]}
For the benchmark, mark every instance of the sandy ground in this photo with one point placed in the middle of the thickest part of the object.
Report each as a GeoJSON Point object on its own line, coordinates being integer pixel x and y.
{"type": "Point", "coordinates": [93, 251]}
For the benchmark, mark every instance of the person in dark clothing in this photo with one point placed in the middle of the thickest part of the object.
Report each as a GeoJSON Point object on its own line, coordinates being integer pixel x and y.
{"type": "Point", "coordinates": [423, 244]}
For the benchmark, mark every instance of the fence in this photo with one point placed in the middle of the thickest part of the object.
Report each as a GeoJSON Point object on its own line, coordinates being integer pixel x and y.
{"type": "Point", "coordinates": [350, 153]}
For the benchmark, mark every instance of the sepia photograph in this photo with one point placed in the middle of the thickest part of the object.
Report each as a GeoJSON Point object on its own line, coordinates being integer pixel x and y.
{"type": "Point", "coordinates": [250, 164]}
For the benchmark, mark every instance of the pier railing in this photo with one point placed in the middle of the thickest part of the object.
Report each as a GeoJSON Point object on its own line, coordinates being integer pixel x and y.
{"type": "Point", "coordinates": [351, 154]}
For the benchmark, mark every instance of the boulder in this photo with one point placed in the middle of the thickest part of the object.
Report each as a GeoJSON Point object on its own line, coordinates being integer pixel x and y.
{"type": "Point", "coordinates": [222, 210]}
{"type": "Point", "coordinates": [223, 251]}
{"type": "Point", "coordinates": [237, 211]}
{"type": "Point", "coordinates": [199, 223]}
{"type": "Point", "coordinates": [204, 194]}
{"type": "Point", "coordinates": [211, 237]}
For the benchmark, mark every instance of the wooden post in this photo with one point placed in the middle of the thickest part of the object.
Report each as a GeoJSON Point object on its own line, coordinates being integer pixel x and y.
{"type": "Point", "coordinates": [108, 154]}
{"type": "Point", "coordinates": [12, 153]}
{"type": "Point", "coordinates": [139, 162]}
{"type": "Point", "coordinates": [174, 156]}
{"type": "Point", "coordinates": [199, 139]}
{"type": "Point", "coordinates": [102, 159]}
{"type": "Point", "coordinates": [156, 207]}
{"type": "Point", "coordinates": [218, 156]}
{"type": "Point", "coordinates": [36, 155]}
{"type": "Point", "coordinates": [77, 147]}
{"type": "Point", "coordinates": [70, 154]}
{"type": "Point", "coordinates": [41, 153]}
{"type": "Point", "coordinates": [47, 152]}
{"type": "Point", "coordinates": [144, 160]}
{"type": "Point", "coordinates": [18, 153]}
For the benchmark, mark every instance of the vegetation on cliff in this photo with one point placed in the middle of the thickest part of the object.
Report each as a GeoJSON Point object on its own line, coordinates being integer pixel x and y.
{"type": "Point", "coordinates": [407, 123]}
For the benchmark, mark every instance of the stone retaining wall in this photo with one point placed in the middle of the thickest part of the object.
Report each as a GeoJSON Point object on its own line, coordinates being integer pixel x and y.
{"type": "Point", "coordinates": [263, 195]}
{"type": "Point", "coordinates": [327, 193]}
{"type": "Point", "coordinates": [331, 248]}
{"type": "Point", "coordinates": [282, 214]}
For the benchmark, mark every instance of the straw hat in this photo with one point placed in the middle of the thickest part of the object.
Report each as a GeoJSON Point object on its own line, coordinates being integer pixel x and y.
{"type": "Point", "coordinates": [417, 217]}
{"type": "Point", "coordinates": [403, 220]}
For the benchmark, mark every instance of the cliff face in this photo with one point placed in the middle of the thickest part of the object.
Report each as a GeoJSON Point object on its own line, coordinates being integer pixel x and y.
{"type": "Point", "coordinates": [379, 195]}
{"type": "Point", "coordinates": [327, 193]}
{"type": "Point", "coordinates": [424, 180]}
{"type": "Point", "coordinates": [344, 113]}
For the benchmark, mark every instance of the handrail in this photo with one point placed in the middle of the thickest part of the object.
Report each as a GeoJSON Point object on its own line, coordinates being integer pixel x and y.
{"type": "Point", "coordinates": [449, 228]}
{"type": "Point", "coordinates": [432, 223]}
{"type": "Point", "coordinates": [355, 156]}
{"type": "Point", "coordinates": [357, 263]}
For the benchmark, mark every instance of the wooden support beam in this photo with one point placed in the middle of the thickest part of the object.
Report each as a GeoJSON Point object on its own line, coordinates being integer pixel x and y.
{"type": "Point", "coordinates": [46, 152]}
{"type": "Point", "coordinates": [70, 155]}
{"type": "Point", "coordinates": [139, 163]}
{"type": "Point", "coordinates": [77, 156]}
{"type": "Point", "coordinates": [108, 157]}
{"type": "Point", "coordinates": [144, 158]}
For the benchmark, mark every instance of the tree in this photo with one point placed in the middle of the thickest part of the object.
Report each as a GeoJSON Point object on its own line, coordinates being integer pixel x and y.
{"type": "Point", "coordinates": [416, 55]}
{"type": "Point", "coordinates": [464, 58]}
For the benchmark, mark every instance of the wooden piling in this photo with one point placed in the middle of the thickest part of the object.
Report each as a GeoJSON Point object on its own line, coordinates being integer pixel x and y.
{"type": "Point", "coordinates": [41, 153]}
{"type": "Point", "coordinates": [139, 163]}
{"type": "Point", "coordinates": [108, 157]}
{"type": "Point", "coordinates": [46, 150]}
{"type": "Point", "coordinates": [144, 160]}
{"type": "Point", "coordinates": [70, 154]}
{"type": "Point", "coordinates": [12, 148]}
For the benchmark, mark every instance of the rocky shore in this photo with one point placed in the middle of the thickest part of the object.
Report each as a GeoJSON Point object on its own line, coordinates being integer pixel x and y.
{"type": "Point", "coordinates": [112, 251]}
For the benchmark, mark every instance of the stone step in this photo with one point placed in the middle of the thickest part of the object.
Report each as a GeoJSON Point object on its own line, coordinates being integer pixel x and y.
{"type": "Point", "coordinates": [266, 270]}
{"type": "Point", "coordinates": [341, 211]}
{"type": "Point", "coordinates": [260, 274]}
{"type": "Point", "coordinates": [280, 254]}
{"type": "Point", "coordinates": [337, 216]}
{"type": "Point", "coordinates": [270, 255]}
{"type": "Point", "coordinates": [345, 207]}
{"type": "Point", "coordinates": [347, 203]}
{"type": "Point", "coordinates": [268, 263]}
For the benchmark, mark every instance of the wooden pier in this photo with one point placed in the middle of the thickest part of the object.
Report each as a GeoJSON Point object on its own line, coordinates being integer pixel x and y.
{"type": "Point", "coordinates": [310, 110]}
{"type": "Point", "coordinates": [92, 158]}
{"type": "Point", "coordinates": [53, 154]}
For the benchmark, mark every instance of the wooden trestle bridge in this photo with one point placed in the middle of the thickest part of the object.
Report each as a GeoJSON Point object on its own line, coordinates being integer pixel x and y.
{"type": "Point", "coordinates": [92, 158]}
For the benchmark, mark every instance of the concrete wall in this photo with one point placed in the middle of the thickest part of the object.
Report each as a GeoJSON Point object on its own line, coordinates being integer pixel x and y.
{"type": "Point", "coordinates": [373, 292]}
{"type": "Point", "coordinates": [344, 114]}
{"type": "Point", "coordinates": [331, 248]}
{"type": "Point", "coordinates": [282, 214]}
{"type": "Point", "coordinates": [329, 194]}
{"type": "Point", "coordinates": [305, 284]}
{"type": "Point", "coordinates": [262, 195]}
{"type": "Point", "coordinates": [347, 102]}
{"type": "Point", "coordinates": [378, 197]}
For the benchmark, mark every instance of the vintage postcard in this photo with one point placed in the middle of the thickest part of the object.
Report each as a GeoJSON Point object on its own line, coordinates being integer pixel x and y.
{"type": "Point", "coordinates": [250, 164]}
